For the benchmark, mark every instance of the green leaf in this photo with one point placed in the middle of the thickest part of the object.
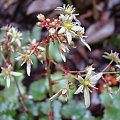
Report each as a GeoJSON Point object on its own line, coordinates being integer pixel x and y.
{"type": "Point", "coordinates": [45, 107]}
{"type": "Point", "coordinates": [73, 109]}
{"type": "Point", "coordinates": [5, 117]}
{"type": "Point", "coordinates": [38, 90]}
{"type": "Point", "coordinates": [109, 101]}
{"type": "Point", "coordinates": [25, 117]}
{"type": "Point", "coordinates": [7, 106]}
{"type": "Point", "coordinates": [76, 110]}
{"type": "Point", "coordinates": [54, 53]}
{"type": "Point", "coordinates": [26, 37]}
{"type": "Point", "coordinates": [33, 107]}
{"type": "Point", "coordinates": [11, 93]}
{"type": "Point", "coordinates": [111, 114]}
{"type": "Point", "coordinates": [88, 116]}
{"type": "Point", "coordinates": [57, 110]}
{"type": "Point", "coordinates": [35, 61]}
{"type": "Point", "coordinates": [36, 33]}
{"type": "Point", "coordinates": [62, 84]}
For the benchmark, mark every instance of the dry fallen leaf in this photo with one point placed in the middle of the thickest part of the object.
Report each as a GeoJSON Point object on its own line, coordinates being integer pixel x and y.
{"type": "Point", "coordinates": [42, 6]}
{"type": "Point", "coordinates": [6, 3]}
{"type": "Point", "coordinates": [98, 31]}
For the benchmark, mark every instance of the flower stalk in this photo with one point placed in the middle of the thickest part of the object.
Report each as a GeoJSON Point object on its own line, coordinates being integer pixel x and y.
{"type": "Point", "coordinates": [51, 114]}
{"type": "Point", "coordinates": [21, 99]}
{"type": "Point", "coordinates": [107, 66]}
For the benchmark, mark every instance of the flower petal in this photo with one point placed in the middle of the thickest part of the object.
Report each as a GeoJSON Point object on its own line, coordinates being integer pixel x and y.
{"type": "Point", "coordinates": [118, 78]}
{"type": "Point", "coordinates": [62, 30]}
{"type": "Point", "coordinates": [80, 89]}
{"type": "Point", "coordinates": [18, 42]}
{"type": "Point", "coordinates": [63, 57]}
{"type": "Point", "coordinates": [16, 73]}
{"type": "Point", "coordinates": [83, 41]}
{"type": "Point", "coordinates": [118, 66]}
{"type": "Point", "coordinates": [86, 97]}
{"type": "Point", "coordinates": [28, 68]}
{"type": "Point", "coordinates": [9, 67]}
{"type": "Point", "coordinates": [18, 58]}
{"type": "Point", "coordinates": [63, 47]}
{"type": "Point", "coordinates": [77, 28]}
{"type": "Point", "coordinates": [62, 17]}
{"type": "Point", "coordinates": [23, 62]}
{"type": "Point", "coordinates": [8, 81]}
{"type": "Point", "coordinates": [79, 78]}
{"type": "Point", "coordinates": [89, 73]}
{"type": "Point", "coordinates": [95, 78]}
{"type": "Point", "coordinates": [69, 37]}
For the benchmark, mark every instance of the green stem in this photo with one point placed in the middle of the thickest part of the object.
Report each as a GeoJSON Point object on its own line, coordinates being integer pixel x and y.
{"type": "Point", "coordinates": [49, 81]}
{"type": "Point", "coordinates": [112, 72]}
{"type": "Point", "coordinates": [107, 66]}
{"type": "Point", "coordinates": [21, 97]}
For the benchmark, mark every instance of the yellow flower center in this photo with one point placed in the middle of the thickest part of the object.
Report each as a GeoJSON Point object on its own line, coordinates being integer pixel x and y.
{"type": "Point", "coordinates": [68, 26]}
{"type": "Point", "coordinates": [16, 36]}
{"type": "Point", "coordinates": [68, 11]}
{"type": "Point", "coordinates": [86, 83]}
{"type": "Point", "coordinates": [80, 33]}
{"type": "Point", "coordinates": [26, 57]}
{"type": "Point", "coordinates": [7, 72]}
{"type": "Point", "coordinates": [113, 57]}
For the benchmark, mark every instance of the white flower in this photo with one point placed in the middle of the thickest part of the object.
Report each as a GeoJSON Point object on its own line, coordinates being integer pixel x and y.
{"type": "Point", "coordinates": [86, 83]}
{"type": "Point", "coordinates": [68, 10]}
{"type": "Point", "coordinates": [26, 58]}
{"type": "Point", "coordinates": [16, 36]}
{"type": "Point", "coordinates": [113, 56]}
{"type": "Point", "coordinates": [9, 74]}
{"type": "Point", "coordinates": [69, 27]}
{"type": "Point", "coordinates": [80, 34]}
{"type": "Point", "coordinates": [90, 69]}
